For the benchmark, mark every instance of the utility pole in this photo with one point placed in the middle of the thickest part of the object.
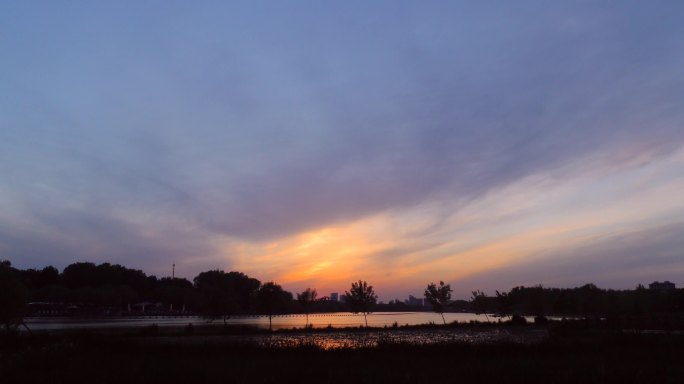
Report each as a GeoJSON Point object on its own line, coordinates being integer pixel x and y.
{"type": "Point", "coordinates": [173, 271]}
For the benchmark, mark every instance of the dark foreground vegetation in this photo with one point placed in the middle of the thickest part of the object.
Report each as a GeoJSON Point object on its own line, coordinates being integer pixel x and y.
{"type": "Point", "coordinates": [571, 355]}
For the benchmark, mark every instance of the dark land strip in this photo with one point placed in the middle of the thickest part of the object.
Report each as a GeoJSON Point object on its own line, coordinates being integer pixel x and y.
{"type": "Point", "coordinates": [568, 355]}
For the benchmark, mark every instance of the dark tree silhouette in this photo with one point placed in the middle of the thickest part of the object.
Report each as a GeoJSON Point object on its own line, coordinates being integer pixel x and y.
{"type": "Point", "coordinates": [306, 300]}
{"type": "Point", "coordinates": [98, 286]}
{"type": "Point", "coordinates": [439, 297]}
{"type": "Point", "coordinates": [12, 297]}
{"type": "Point", "coordinates": [223, 294]}
{"type": "Point", "coordinates": [360, 298]}
{"type": "Point", "coordinates": [175, 292]}
{"type": "Point", "coordinates": [479, 303]}
{"type": "Point", "coordinates": [36, 279]}
{"type": "Point", "coordinates": [271, 298]}
{"type": "Point", "coordinates": [79, 275]}
{"type": "Point", "coordinates": [504, 304]}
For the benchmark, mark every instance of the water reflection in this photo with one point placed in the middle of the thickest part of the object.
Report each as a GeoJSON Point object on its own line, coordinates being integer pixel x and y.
{"type": "Point", "coordinates": [337, 338]}
{"type": "Point", "coordinates": [414, 337]}
{"type": "Point", "coordinates": [322, 320]}
{"type": "Point", "coordinates": [369, 339]}
{"type": "Point", "coordinates": [346, 319]}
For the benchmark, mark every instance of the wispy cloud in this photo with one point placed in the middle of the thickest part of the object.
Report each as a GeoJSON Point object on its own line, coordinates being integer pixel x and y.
{"type": "Point", "coordinates": [412, 136]}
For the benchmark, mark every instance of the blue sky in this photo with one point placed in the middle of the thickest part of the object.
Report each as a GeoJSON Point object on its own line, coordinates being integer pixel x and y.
{"type": "Point", "coordinates": [314, 143]}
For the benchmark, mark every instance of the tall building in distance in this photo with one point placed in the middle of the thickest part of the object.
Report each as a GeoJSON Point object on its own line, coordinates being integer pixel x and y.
{"type": "Point", "coordinates": [414, 301]}
{"type": "Point", "coordinates": [334, 296]}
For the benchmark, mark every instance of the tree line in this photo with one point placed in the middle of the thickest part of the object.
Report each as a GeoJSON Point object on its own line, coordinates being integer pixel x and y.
{"type": "Point", "coordinates": [113, 289]}
{"type": "Point", "coordinates": [587, 301]}
{"type": "Point", "coordinates": [90, 289]}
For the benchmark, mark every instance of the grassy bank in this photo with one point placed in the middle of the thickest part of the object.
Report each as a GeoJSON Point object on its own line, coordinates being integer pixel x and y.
{"type": "Point", "coordinates": [571, 357]}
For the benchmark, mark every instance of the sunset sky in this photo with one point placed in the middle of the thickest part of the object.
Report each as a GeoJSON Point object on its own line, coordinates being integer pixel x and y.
{"type": "Point", "coordinates": [486, 144]}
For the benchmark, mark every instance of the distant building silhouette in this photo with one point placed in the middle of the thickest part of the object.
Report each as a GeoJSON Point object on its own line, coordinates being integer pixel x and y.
{"type": "Point", "coordinates": [664, 286]}
{"type": "Point", "coordinates": [415, 301]}
{"type": "Point", "coordinates": [334, 296]}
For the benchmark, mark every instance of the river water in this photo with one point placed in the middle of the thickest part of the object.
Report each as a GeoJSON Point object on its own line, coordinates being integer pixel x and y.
{"type": "Point", "coordinates": [327, 340]}
{"type": "Point", "coordinates": [319, 320]}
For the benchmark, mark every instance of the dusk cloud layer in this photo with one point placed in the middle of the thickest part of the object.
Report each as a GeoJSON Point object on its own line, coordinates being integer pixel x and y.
{"type": "Point", "coordinates": [305, 143]}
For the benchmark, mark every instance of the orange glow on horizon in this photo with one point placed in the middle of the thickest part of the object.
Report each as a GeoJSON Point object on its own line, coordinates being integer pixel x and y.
{"type": "Point", "coordinates": [400, 250]}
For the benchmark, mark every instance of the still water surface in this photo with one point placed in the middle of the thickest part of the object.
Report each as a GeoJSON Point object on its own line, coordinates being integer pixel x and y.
{"type": "Point", "coordinates": [322, 320]}
{"type": "Point", "coordinates": [326, 340]}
